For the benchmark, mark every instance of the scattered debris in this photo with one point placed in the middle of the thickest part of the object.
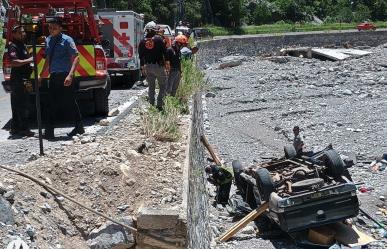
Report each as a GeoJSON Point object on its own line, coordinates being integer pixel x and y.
{"type": "Point", "coordinates": [104, 122]}
{"type": "Point", "coordinates": [114, 112]}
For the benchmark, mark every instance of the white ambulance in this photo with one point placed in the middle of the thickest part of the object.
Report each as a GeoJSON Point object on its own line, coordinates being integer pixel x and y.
{"type": "Point", "coordinates": [121, 33]}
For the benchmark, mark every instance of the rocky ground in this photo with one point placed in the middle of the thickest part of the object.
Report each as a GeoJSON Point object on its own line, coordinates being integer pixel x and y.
{"type": "Point", "coordinates": [103, 171]}
{"type": "Point", "coordinates": [253, 107]}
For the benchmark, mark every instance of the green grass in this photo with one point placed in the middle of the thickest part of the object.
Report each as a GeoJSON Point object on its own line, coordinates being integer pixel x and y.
{"type": "Point", "coordinates": [192, 81]}
{"type": "Point", "coordinates": [164, 125]}
{"type": "Point", "coordinates": [286, 27]}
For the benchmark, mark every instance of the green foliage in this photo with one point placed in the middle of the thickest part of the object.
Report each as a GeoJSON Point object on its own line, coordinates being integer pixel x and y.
{"type": "Point", "coordinates": [163, 126]}
{"type": "Point", "coordinates": [232, 14]}
{"type": "Point", "coordinates": [191, 82]}
{"type": "Point", "coordinates": [282, 27]}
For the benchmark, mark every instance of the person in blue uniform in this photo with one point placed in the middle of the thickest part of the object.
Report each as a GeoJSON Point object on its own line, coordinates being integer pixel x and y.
{"type": "Point", "coordinates": [61, 59]}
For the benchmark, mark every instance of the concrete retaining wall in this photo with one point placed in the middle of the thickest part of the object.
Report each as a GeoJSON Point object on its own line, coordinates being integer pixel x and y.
{"type": "Point", "coordinates": [253, 45]}
{"type": "Point", "coordinates": [199, 234]}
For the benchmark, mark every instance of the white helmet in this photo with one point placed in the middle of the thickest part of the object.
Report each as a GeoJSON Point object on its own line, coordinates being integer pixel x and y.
{"type": "Point", "coordinates": [151, 26]}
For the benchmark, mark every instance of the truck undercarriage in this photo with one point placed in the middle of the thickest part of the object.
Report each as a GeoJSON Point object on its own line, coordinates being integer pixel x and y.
{"type": "Point", "coordinates": [302, 192]}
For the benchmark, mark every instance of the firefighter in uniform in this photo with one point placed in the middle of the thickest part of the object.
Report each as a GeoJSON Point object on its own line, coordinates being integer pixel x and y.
{"type": "Point", "coordinates": [20, 72]}
{"type": "Point", "coordinates": [61, 60]}
{"type": "Point", "coordinates": [153, 63]}
{"type": "Point", "coordinates": [221, 177]}
{"type": "Point", "coordinates": [174, 56]}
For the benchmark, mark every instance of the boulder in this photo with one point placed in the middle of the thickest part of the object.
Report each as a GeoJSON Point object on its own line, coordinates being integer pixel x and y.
{"type": "Point", "coordinates": [112, 236]}
{"type": "Point", "coordinates": [231, 61]}
{"type": "Point", "coordinates": [6, 214]}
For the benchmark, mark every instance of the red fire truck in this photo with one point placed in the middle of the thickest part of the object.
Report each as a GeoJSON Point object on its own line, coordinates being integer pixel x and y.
{"type": "Point", "coordinates": [79, 22]}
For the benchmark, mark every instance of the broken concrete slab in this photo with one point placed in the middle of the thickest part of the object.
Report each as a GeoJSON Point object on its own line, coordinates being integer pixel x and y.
{"type": "Point", "coordinates": [112, 236]}
{"type": "Point", "coordinates": [354, 52]}
{"type": "Point", "coordinates": [160, 228]}
{"type": "Point", "coordinates": [331, 54]}
{"type": "Point", "coordinates": [157, 219]}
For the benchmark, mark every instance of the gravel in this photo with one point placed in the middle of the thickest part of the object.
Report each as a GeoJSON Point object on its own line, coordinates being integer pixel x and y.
{"type": "Point", "coordinates": [255, 105]}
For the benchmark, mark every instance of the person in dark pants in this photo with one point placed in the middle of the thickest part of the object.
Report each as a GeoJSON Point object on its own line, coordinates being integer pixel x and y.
{"type": "Point", "coordinates": [153, 63]}
{"type": "Point", "coordinates": [61, 59]}
{"type": "Point", "coordinates": [173, 55]}
{"type": "Point", "coordinates": [20, 72]}
{"type": "Point", "coordinates": [222, 178]}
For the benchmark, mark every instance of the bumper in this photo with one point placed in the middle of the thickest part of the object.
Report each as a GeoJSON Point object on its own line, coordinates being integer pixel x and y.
{"type": "Point", "coordinates": [85, 83]}
{"type": "Point", "coordinates": [312, 213]}
{"type": "Point", "coordinates": [121, 70]}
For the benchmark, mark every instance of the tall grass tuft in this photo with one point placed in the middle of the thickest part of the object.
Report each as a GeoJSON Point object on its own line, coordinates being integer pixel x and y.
{"type": "Point", "coordinates": [163, 125]}
{"type": "Point", "coordinates": [192, 81]}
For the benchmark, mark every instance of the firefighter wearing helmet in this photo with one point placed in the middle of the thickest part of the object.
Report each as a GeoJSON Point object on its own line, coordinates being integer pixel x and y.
{"type": "Point", "coordinates": [174, 57]}
{"type": "Point", "coordinates": [154, 64]}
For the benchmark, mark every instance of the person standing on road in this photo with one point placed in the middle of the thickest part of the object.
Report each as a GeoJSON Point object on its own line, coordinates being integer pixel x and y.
{"type": "Point", "coordinates": [298, 140]}
{"type": "Point", "coordinates": [221, 177]}
{"type": "Point", "coordinates": [153, 63]}
{"type": "Point", "coordinates": [61, 59]}
{"type": "Point", "coordinates": [173, 55]}
{"type": "Point", "coordinates": [20, 73]}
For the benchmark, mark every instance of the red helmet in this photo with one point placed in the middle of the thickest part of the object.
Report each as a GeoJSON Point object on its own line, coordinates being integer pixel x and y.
{"type": "Point", "coordinates": [181, 39]}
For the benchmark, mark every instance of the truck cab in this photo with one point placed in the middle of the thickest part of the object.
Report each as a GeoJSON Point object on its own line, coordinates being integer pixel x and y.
{"type": "Point", "coordinates": [78, 22]}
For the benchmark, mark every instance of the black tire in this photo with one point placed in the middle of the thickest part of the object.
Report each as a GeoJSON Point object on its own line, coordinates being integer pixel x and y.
{"type": "Point", "coordinates": [237, 168]}
{"type": "Point", "coordinates": [101, 99]}
{"type": "Point", "coordinates": [334, 163]}
{"type": "Point", "coordinates": [290, 152]}
{"type": "Point", "coordinates": [264, 183]}
{"type": "Point", "coordinates": [347, 175]}
{"type": "Point", "coordinates": [307, 184]}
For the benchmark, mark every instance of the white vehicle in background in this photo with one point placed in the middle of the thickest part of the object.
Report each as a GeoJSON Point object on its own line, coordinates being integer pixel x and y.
{"type": "Point", "coordinates": [121, 33]}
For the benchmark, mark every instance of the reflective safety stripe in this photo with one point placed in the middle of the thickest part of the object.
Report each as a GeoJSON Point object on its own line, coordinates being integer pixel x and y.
{"type": "Point", "coordinates": [86, 66]}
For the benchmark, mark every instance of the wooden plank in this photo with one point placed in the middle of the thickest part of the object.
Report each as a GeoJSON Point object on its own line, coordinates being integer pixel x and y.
{"type": "Point", "coordinates": [243, 222]}
{"type": "Point", "coordinates": [330, 54]}
{"type": "Point", "coordinates": [351, 236]}
{"type": "Point", "coordinates": [210, 150]}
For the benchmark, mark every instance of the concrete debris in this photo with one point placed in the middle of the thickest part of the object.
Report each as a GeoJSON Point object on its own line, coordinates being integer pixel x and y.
{"type": "Point", "coordinates": [331, 54]}
{"type": "Point", "coordinates": [110, 236]}
{"type": "Point", "coordinates": [114, 112]}
{"type": "Point", "coordinates": [327, 53]}
{"type": "Point", "coordinates": [104, 122]}
{"type": "Point", "coordinates": [6, 213]}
